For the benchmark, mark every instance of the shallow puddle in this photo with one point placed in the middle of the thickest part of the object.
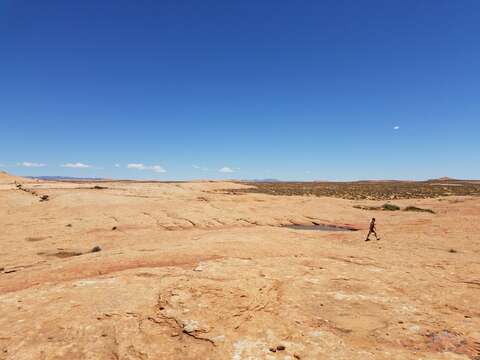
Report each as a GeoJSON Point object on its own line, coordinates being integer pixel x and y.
{"type": "Point", "coordinates": [320, 227]}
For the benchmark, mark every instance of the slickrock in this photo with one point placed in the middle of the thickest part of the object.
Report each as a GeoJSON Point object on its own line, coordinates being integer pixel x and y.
{"type": "Point", "coordinates": [197, 271]}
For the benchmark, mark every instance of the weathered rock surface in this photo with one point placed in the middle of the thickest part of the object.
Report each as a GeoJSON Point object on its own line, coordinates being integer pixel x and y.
{"type": "Point", "coordinates": [193, 273]}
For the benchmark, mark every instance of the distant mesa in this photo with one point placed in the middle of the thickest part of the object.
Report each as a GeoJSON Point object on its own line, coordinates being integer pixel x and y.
{"type": "Point", "coordinates": [64, 178]}
{"type": "Point", "coordinates": [6, 178]}
{"type": "Point", "coordinates": [444, 178]}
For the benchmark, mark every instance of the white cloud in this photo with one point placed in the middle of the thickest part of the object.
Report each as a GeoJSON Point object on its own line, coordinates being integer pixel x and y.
{"type": "Point", "coordinates": [117, 165]}
{"type": "Point", "coordinates": [200, 168]}
{"type": "Point", "coordinates": [31, 164]}
{"type": "Point", "coordinates": [76, 165]}
{"type": "Point", "coordinates": [157, 168]}
{"type": "Point", "coordinates": [396, 127]}
{"type": "Point", "coordinates": [154, 168]}
{"type": "Point", "coordinates": [226, 169]}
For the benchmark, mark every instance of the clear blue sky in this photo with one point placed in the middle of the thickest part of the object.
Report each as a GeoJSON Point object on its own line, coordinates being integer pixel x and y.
{"type": "Point", "coordinates": [258, 89]}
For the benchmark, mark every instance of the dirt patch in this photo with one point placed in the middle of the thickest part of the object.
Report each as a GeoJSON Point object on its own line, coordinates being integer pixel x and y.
{"type": "Point", "coordinates": [450, 341]}
{"type": "Point", "coordinates": [65, 254]}
{"type": "Point", "coordinates": [37, 238]}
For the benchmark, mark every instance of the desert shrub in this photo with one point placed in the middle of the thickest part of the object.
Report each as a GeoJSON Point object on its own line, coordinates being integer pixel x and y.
{"type": "Point", "coordinates": [417, 209]}
{"type": "Point", "coordinates": [96, 249]}
{"type": "Point", "coordinates": [390, 207]}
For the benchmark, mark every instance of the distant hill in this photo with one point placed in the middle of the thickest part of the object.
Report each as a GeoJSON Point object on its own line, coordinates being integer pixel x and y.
{"type": "Point", "coordinates": [264, 180]}
{"type": "Point", "coordinates": [444, 178]}
{"type": "Point", "coordinates": [64, 178]}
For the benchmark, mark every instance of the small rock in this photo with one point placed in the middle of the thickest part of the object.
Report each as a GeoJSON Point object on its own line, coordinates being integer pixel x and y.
{"type": "Point", "coordinates": [280, 347]}
{"type": "Point", "coordinates": [44, 198]}
{"type": "Point", "coordinates": [296, 356]}
{"type": "Point", "coordinates": [175, 334]}
{"type": "Point", "coordinates": [453, 251]}
{"type": "Point", "coordinates": [190, 326]}
{"type": "Point", "coordinates": [272, 349]}
{"type": "Point", "coordinates": [68, 225]}
{"type": "Point", "coordinates": [198, 268]}
{"type": "Point", "coordinates": [114, 228]}
{"type": "Point", "coordinates": [96, 249]}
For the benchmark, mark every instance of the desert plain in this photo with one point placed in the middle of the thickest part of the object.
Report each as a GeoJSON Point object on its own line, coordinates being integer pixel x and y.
{"type": "Point", "coordinates": [128, 270]}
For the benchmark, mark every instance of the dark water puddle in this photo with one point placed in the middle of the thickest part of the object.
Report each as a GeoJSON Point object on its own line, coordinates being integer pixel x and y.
{"type": "Point", "coordinates": [320, 227]}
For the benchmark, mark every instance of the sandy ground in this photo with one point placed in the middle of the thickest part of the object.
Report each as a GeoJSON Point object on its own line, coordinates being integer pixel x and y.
{"type": "Point", "coordinates": [188, 271]}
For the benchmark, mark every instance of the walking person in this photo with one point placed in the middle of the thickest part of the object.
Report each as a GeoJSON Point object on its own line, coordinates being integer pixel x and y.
{"type": "Point", "coordinates": [372, 230]}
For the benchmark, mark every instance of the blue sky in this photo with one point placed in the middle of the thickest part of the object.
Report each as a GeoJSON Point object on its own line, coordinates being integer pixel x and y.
{"type": "Point", "coordinates": [293, 90]}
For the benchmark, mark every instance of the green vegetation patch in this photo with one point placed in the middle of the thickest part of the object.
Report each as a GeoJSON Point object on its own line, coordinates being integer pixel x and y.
{"type": "Point", "coordinates": [417, 209]}
{"type": "Point", "coordinates": [390, 207]}
{"type": "Point", "coordinates": [365, 190]}
{"type": "Point", "coordinates": [384, 207]}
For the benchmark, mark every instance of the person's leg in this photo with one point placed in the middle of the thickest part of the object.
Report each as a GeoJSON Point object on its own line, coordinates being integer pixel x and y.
{"type": "Point", "coordinates": [368, 236]}
{"type": "Point", "coordinates": [376, 236]}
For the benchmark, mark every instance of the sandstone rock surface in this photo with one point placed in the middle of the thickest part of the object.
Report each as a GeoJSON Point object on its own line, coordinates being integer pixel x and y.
{"type": "Point", "coordinates": [194, 272]}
